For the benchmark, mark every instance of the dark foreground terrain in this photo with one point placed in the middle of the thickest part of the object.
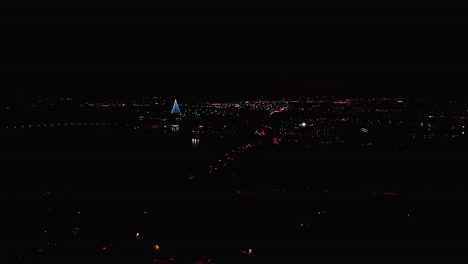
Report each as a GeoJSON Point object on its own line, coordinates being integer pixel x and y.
{"type": "Point", "coordinates": [86, 198]}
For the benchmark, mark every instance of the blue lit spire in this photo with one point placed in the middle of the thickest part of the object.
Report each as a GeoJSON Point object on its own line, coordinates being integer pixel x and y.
{"type": "Point", "coordinates": [175, 108]}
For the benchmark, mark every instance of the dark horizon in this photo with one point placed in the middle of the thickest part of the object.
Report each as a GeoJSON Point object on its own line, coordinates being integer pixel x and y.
{"type": "Point", "coordinates": [234, 51]}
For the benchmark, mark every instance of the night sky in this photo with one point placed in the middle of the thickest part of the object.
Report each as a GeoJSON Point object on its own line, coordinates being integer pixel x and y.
{"type": "Point", "coordinates": [233, 51]}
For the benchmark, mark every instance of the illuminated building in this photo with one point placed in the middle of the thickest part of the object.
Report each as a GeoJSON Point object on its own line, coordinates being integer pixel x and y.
{"type": "Point", "coordinates": [175, 108]}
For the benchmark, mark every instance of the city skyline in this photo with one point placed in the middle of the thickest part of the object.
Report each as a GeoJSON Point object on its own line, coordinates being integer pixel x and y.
{"type": "Point", "coordinates": [111, 178]}
{"type": "Point", "coordinates": [232, 135]}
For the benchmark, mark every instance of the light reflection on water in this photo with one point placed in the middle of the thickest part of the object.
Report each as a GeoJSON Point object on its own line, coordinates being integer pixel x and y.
{"type": "Point", "coordinates": [195, 142]}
